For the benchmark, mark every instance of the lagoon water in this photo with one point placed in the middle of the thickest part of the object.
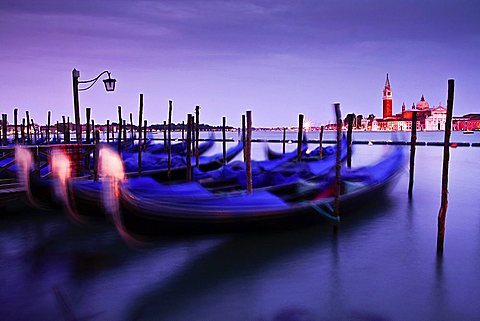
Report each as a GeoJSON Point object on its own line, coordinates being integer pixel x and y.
{"type": "Point", "coordinates": [380, 265]}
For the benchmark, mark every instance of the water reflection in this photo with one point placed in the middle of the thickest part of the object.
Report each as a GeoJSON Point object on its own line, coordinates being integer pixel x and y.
{"type": "Point", "coordinates": [243, 266]}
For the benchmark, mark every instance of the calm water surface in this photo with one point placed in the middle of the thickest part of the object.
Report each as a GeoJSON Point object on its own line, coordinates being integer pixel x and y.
{"type": "Point", "coordinates": [380, 265]}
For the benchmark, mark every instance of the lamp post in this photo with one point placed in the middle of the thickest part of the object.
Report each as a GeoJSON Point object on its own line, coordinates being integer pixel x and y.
{"type": "Point", "coordinates": [109, 86]}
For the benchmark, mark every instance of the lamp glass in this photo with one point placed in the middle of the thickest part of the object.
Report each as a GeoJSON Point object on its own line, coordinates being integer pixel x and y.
{"type": "Point", "coordinates": [109, 84]}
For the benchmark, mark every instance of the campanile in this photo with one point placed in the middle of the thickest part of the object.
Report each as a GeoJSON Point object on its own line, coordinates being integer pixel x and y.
{"type": "Point", "coordinates": [387, 99]}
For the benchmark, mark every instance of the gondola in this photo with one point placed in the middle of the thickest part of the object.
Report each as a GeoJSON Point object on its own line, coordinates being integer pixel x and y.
{"type": "Point", "coordinates": [180, 147]}
{"type": "Point", "coordinates": [156, 209]}
{"type": "Point", "coordinates": [274, 173]}
{"type": "Point", "coordinates": [306, 154]}
{"type": "Point", "coordinates": [85, 200]}
{"type": "Point", "coordinates": [85, 196]}
{"type": "Point", "coordinates": [41, 188]}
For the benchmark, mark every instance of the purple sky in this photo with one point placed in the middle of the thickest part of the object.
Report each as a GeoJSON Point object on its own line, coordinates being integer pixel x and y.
{"type": "Point", "coordinates": [277, 58]}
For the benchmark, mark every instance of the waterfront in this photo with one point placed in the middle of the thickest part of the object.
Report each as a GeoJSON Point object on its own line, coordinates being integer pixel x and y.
{"type": "Point", "coordinates": [381, 265]}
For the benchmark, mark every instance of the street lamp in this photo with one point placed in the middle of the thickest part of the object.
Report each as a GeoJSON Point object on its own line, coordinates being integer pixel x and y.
{"type": "Point", "coordinates": [109, 86]}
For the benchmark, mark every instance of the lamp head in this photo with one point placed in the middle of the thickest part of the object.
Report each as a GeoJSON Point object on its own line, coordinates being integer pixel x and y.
{"type": "Point", "coordinates": [109, 83]}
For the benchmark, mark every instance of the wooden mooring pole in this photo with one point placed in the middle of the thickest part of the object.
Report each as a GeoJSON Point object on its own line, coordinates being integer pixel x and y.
{"type": "Point", "coordinates": [413, 142]}
{"type": "Point", "coordinates": [244, 138]}
{"type": "Point", "coordinates": [300, 137]}
{"type": "Point", "coordinates": [68, 131]}
{"type": "Point", "coordinates": [140, 118]}
{"type": "Point", "coordinates": [4, 129]}
{"type": "Point", "coordinates": [165, 136]}
{"type": "Point", "coordinates": [189, 148]}
{"type": "Point", "coordinates": [197, 133]}
{"type": "Point", "coordinates": [119, 141]}
{"type": "Point", "coordinates": [248, 152]}
{"type": "Point", "coordinates": [183, 131]}
{"type": "Point", "coordinates": [338, 164]}
{"type": "Point", "coordinates": [224, 139]}
{"type": "Point", "coordinates": [22, 134]}
{"type": "Point", "coordinates": [96, 155]}
{"type": "Point", "coordinates": [29, 141]}
{"type": "Point", "coordinates": [49, 114]}
{"type": "Point", "coordinates": [35, 138]}
{"type": "Point", "coordinates": [88, 112]}
{"type": "Point", "coordinates": [131, 128]}
{"type": "Point", "coordinates": [145, 135]}
{"type": "Point", "coordinates": [108, 130]}
{"type": "Point", "coordinates": [64, 130]}
{"type": "Point", "coordinates": [124, 126]}
{"type": "Point", "coordinates": [446, 158]}
{"type": "Point", "coordinates": [56, 132]}
{"type": "Point", "coordinates": [15, 124]}
{"type": "Point", "coordinates": [349, 139]}
{"type": "Point", "coordinates": [170, 107]}
{"type": "Point", "coordinates": [320, 153]}
{"type": "Point", "coordinates": [192, 142]}
{"type": "Point", "coordinates": [284, 138]}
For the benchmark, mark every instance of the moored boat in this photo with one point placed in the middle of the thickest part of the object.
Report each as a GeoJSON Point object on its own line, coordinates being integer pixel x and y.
{"type": "Point", "coordinates": [191, 208]}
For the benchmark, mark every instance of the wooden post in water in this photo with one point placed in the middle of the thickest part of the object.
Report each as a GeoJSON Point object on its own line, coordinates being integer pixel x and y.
{"type": "Point", "coordinates": [108, 130]}
{"type": "Point", "coordinates": [29, 141]}
{"type": "Point", "coordinates": [93, 130]}
{"type": "Point", "coordinates": [131, 128]}
{"type": "Point", "coordinates": [183, 131]}
{"type": "Point", "coordinates": [88, 111]}
{"type": "Point", "coordinates": [124, 134]}
{"type": "Point", "coordinates": [119, 141]}
{"type": "Point", "coordinates": [338, 165]}
{"type": "Point", "coordinates": [68, 131]}
{"type": "Point", "coordinates": [15, 124]}
{"type": "Point", "coordinates": [56, 131]}
{"type": "Point", "coordinates": [22, 133]}
{"type": "Point", "coordinates": [244, 139]}
{"type": "Point", "coordinates": [446, 158]}
{"type": "Point", "coordinates": [284, 139]}
{"type": "Point", "coordinates": [189, 148]}
{"type": "Point", "coordinates": [224, 139]}
{"type": "Point", "coordinates": [49, 114]}
{"type": "Point", "coordinates": [193, 136]}
{"type": "Point", "coordinates": [197, 133]}
{"type": "Point", "coordinates": [165, 136]}
{"type": "Point", "coordinates": [413, 142]}
{"type": "Point", "coordinates": [64, 130]}
{"type": "Point", "coordinates": [169, 150]}
{"type": "Point", "coordinates": [145, 135]}
{"type": "Point", "coordinates": [320, 152]}
{"type": "Point", "coordinates": [248, 152]}
{"type": "Point", "coordinates": [349, 139]}
{"type": "Point", "coordinates": [4, 129]}
{"type": "Point", "coordinates": [140, 118]}
{"type": "Point", "coordinates": [96, 155]}
{"type": "Point", "coordinates": [113, 132]}
{"type": "Point", "coordinates": [35, 138]}
{"type": "Point", "coordinates": [300, 137]}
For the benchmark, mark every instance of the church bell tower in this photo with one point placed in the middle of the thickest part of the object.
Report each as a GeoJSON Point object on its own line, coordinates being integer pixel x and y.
{"type": "Point", "coordinates": [387, 99]}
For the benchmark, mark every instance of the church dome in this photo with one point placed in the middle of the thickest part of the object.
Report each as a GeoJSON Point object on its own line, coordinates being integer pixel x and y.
{"type": "Point", "coordinates": [422, 104]}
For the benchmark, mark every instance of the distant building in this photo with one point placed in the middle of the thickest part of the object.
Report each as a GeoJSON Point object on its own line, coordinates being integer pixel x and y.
{"type": "Point", "coordinates": [427, 118]}
{"type": "Point", "coordinates": [466, 122]}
